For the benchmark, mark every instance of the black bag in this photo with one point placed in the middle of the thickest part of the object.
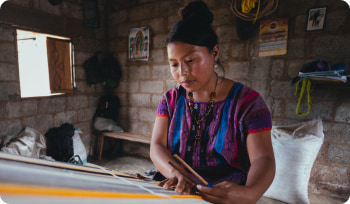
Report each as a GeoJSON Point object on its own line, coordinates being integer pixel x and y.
{"type": "Point", "coordinates": [111, 70]}
{"type": "Point", "coordinates": [108, 107]}
{"type": "Point", "coordinates": [59, 142]}
{"type": "Point", "coordinates": [92, 70]}
{"type": "Point", "coordinates": [103, 67]}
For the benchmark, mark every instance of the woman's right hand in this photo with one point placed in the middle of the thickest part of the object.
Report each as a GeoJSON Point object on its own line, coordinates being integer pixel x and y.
{"type": "Point", "coordinates": [180, 182]}
{"type": "Point", "coordinates": [161, 157]}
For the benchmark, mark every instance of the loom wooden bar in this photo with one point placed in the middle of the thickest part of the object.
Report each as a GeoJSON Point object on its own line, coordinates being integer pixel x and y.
{"type": "Point", "coordinates": [57, 164]}
{"type": "Point", "coordinates": [29, 180]}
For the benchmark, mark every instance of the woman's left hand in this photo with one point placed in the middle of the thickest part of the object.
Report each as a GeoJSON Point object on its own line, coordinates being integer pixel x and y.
{"type": "Point", "coordinates": [225, 192]}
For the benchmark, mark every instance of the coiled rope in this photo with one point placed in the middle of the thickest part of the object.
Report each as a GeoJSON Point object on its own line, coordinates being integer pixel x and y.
{"type": "Point", "coordinates": [248, 5]}
{"type": "Point", "coordinates": [265, 8]}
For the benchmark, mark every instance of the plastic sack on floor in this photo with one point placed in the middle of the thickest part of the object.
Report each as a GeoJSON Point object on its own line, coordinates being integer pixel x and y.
{"type": "Point", "coordinates": [78, 146]}
{"type": "Point", "coordinates": [296, 147]}
{"type": "Point", "coordinates": [106, 124]}
{"type": "Point", "coordinates": [29, 143]}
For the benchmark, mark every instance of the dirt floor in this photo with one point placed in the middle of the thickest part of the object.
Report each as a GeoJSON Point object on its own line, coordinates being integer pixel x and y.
{"type": "Point", "coordinates": [125, 164]}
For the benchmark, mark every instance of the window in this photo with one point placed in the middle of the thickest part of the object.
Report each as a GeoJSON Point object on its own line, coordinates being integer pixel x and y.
{"type": "Point", "coordinates": [45, 64]}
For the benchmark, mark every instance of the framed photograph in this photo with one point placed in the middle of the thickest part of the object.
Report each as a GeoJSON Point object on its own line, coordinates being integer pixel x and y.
{"type": "Point", "coordinates": [316, 18]}
{"type": "Point", "coordinates": [139, 43]}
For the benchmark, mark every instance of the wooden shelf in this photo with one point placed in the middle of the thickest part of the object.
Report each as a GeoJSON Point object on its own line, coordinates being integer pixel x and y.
{"type": "Point", "coordinates": [328, 84]}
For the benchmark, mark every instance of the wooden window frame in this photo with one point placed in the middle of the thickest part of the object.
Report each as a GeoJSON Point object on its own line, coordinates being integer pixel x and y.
{"type": "Point", "coordinates": [60, 64]}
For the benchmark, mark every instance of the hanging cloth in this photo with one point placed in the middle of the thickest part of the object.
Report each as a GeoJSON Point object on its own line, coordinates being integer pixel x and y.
{"type": "Point", "coordinates": [306, 84]}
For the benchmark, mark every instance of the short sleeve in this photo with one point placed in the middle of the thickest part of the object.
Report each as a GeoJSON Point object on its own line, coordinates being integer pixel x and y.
{"type": "Point", "coordinates": [162, 110]}
{"type": "Point", "coordinates": [259, 117]}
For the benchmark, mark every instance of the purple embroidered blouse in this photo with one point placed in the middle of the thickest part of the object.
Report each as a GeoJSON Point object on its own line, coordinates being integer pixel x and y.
{"type": "Point", "coordinates": [222, 153]}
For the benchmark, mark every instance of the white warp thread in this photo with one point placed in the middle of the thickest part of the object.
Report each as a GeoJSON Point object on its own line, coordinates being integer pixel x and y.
{"type": "Point", "coordinates": [139, 186]}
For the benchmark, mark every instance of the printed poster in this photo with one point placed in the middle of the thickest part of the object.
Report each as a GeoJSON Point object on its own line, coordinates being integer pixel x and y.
{"type": "Point", "coordinates": [273, 37]}
{"type": "Point", "coordinates": [139, 43]}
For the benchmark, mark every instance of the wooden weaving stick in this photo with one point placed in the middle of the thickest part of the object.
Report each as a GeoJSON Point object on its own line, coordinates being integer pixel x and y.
{"type": "Point", "coordinates": [181, 171]}
{"type": "Point", "coordinates": [201, 179]}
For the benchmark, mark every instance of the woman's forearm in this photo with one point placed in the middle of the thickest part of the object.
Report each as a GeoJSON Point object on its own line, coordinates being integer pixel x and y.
{"type": "Point", "coordinates": [160, 157]}
{"type": "Point", "coordinates": [159, 153]}
{"type": "Point", "coordinates": [260, 176]}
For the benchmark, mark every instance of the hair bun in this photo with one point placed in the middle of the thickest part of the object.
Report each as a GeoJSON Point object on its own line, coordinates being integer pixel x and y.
{"type": "Point", "coordinates": [197, 12]}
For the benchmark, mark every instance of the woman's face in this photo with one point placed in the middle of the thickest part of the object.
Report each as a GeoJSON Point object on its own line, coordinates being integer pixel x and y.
{"type": "Point", "coordinates": [192, 66]}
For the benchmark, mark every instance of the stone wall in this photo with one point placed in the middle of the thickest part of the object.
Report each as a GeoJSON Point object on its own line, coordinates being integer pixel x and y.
{"type": "Point", "coordinates": [65, 19]}
{"type": "Point", "coordinates": [144, 82]}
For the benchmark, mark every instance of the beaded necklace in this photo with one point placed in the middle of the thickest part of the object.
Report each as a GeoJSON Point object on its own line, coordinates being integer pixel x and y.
{"type": "Point", "coordinates": [194, 116]}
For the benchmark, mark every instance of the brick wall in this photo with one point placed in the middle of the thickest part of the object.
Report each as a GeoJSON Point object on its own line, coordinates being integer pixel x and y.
{"type": "Point", "coordinates": [65, 19]}
{"type": "Point", "coordinates": [144, 82]}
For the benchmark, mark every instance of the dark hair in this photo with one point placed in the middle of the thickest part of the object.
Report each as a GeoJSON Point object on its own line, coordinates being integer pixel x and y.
{"type": "Point", "coordinates": [195, 26]}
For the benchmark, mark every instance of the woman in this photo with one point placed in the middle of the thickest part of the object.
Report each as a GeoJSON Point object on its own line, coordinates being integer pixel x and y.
{"type": "Point", "coordinates": [221, 128]}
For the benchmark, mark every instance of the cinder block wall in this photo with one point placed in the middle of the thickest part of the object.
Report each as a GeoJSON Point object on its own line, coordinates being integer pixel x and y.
{"type": "Point", "coordinates": [144, 82]}
{"type": "Point", "coordinates": [65, 19]}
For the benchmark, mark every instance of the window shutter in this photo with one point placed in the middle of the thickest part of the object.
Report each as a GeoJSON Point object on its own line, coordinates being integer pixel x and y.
{"type": "Point", "coordinates": [60, 65]}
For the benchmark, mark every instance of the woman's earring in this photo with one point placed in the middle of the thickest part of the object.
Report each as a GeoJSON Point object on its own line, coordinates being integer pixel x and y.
{"type": "Point", "coordinates": [215, 65]}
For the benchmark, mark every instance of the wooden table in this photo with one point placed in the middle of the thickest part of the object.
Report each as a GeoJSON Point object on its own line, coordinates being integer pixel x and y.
{"type": "Point", "coordinates": [123, 136]}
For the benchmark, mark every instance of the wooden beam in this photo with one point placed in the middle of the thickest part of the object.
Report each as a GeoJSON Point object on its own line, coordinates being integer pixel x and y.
{"type": "Point", "coordinates": [58, 164]}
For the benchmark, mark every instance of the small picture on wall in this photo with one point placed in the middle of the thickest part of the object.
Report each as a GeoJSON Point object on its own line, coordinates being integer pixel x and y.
{"type": "Point", "coordinates": [139, 43]}
{"type": "Point", "coordinates": [316, 19]}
